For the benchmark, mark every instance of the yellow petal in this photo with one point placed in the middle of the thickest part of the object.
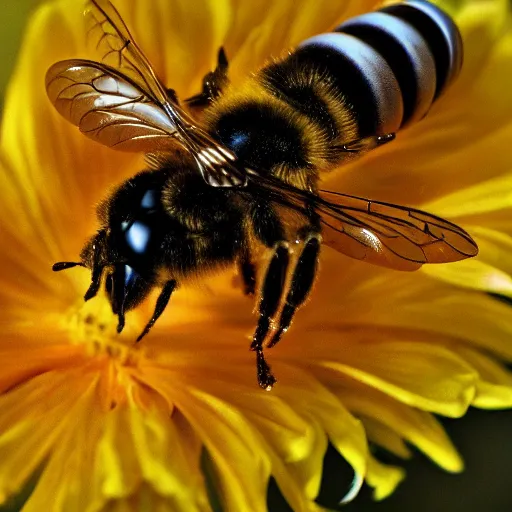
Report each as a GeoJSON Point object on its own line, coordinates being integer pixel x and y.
{"type": "Point", "coordinates": [479, 319]}
{"type": "Point", "coordinates": [65, 483]}
{"type": "Point", "coordinates": [474, 274]}
{"type": "Point", "coordinates": [383, 478]}
{"type": "Point", "coordinates": [116, 462]}
{"type": "Point", "coordinates": [145, 455]}
{"type": "Point", "coordinates": [147, 499]}
{"type": "Point", "coordinates": [162, 461]}
{"type": "Point", "coordinates": [293, 436]}
{"type": "Point", "coordinates": [242, 469]}
{"type": "Point", "coordinates": [33, 420]}
{"type": "Point", "coordinates": [490, 271]}
{"type": "Point", "coordinates": [421, 375]}
{"type": "Point", "coordinates": [370, 296]}
{"type": "Point", "coordinates": [483, 198]}
{"type": "Point", "coordinates": [24, 359]}
{"type": "Point", "coordinates": [418, 428]}
{"type": "Point", "coordinates": [386, 438]}
{"type": "Point", "coordinates": [343, 430]}
{"type": "Point", "coordinates": [494, 386]}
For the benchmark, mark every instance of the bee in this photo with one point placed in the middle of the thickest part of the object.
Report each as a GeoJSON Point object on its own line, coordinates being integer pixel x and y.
{"type": "Point", "coordinates": [246, 176]}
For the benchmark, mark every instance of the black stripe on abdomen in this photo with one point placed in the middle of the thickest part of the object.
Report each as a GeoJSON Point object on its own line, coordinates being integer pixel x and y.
{"type": "Point", "coordinates": [389, 66]}
{"type": "Point", "coordinates": [440, 34]}
{"type": "Point", "coordinates": [369, 77]}
{"type": "Point", "coordinates": [362, 77]}
{"type": "Point", "coordinates": [406, 53]}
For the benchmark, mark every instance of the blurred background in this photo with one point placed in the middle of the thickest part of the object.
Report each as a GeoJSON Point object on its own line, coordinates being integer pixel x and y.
{"type": "Point", "coordinates": [484, 438]}
{"type": "Point", "coordinates": [13, 15]}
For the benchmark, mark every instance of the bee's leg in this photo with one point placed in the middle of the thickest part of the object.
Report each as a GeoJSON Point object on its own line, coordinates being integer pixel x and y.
{"type": "Point", "coordinates": [271, 295]}
{"type": "Point", "coordinates": [268, 229]}
{"type": "Point", "coordinates": [161, 304]}
{"type": "Point", "coordinates": [248, 273]}
{"type": "Point", "coordinates": [301, 283]}
{"type": "Point", "coordinates": [213, 83]}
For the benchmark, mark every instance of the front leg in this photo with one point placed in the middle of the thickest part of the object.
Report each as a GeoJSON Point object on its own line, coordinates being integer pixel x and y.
{"type": "Point", "coordinates": [161, 304]}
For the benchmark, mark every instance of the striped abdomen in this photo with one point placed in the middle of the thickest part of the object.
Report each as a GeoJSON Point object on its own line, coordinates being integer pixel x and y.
{"type": "Point", "coordinates": [400, 59]}
{"type": "Point", "coordinates": [369, 77]}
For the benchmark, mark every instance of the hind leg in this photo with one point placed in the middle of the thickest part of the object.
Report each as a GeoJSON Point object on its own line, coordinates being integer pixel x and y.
{"type": "Point", "coordinates": [302, 281]}
{"type": "Point", "coordinates": [268, 228]}
{"type": "Point", "coordinates": [213, 83]}
{"type": "Point", "coordinates": [248, 273]}
{"type": "Point", "coordinates": [272, 292]}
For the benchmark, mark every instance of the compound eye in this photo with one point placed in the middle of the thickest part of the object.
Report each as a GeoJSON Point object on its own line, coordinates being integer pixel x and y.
{"type": "Point", "coordinates": [137, 237]}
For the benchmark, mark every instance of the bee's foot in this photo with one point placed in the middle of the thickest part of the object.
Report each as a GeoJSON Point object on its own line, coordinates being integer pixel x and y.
{"type": "Point", "coordinates": [266, 378]}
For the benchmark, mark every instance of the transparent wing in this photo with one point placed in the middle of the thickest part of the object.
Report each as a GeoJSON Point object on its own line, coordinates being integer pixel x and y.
{"type": "Point", "coordinates": [379, 233]}
{"type": "Point", "coordinates": [107, 30]}
{"type": "Point", "coordinates": [390, 235]}
{"type": "Point", "coordinates": [217, 164]}
{"type": "Point", "coordinates": [109, 108]}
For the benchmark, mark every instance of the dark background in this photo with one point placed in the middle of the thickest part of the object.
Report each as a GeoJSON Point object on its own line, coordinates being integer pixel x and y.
{"type": "Point", "coordinates": [484, 438]}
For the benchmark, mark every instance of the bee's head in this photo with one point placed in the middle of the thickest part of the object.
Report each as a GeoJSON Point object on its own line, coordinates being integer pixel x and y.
{"type": "Point", "coordinates": [124, 286]}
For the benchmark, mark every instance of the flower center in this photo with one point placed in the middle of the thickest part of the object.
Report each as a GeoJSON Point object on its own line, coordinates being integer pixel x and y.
{"type": "Point", "coordinates": [92, 324]}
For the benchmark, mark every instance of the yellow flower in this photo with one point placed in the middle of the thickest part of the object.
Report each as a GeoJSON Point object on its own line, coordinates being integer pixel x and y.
{"type": "Point", "coordinates": [369, 360]}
